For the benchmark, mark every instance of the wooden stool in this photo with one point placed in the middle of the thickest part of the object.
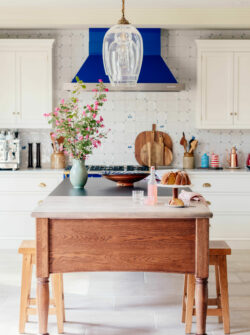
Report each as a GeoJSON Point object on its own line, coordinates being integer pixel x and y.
{"type": "Point", "coordinates": [218, 251]}
{"type": "Point", "coordinates": [28, 250]}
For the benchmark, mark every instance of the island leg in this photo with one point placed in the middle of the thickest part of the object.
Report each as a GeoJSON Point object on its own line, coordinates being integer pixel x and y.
{"type": "Point", "coordinates": [201, 297]}
{"type": "Point", "coordinates": [43, 304]}
{"type": "Point", "coordinates": [201, 273]}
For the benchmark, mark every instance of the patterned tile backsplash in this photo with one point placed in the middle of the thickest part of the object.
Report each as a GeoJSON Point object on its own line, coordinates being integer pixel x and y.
{"type": "Point", "coordinates": [127, 114]}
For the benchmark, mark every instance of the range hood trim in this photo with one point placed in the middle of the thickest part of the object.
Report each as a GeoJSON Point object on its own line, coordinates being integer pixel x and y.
{"type": "Point", "coordinates": [140, 87]}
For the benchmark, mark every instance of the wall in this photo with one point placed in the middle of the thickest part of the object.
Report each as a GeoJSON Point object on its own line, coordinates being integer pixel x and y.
{"type": "Point", "coordinates": [127, 114]}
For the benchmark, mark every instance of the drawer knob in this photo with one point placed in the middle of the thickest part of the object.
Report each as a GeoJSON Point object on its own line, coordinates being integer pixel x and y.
{"type": "Point", "coordinates": [206, 185]}
{"type": "Point", "coordinates": [209, 203]}
{"type": "Point", "coordinates": [40, 202]}
{"type": "Point", "coordinates": [42, 185]}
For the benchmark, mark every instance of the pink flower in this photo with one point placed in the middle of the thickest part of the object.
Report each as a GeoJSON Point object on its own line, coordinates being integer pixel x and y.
{"type": "Point", "coordinates": [57, 122]}
{"type": "Point", "coordinates": [94, 116]}
{"type": "Point", "coordinates": [62, 101]}
{"type": "Point", "coordinates": [100, 80]}
{"type": "Point", "coordinates": [89, 107]}
{"type": "Point", "coordinates": [56, 113]}
{"type": "Point", "coordinates": [106, 89]}
{"type": "Point", "coordinates": [53, 135]}
{"type": "Point", "coordinates": [96, 102]}
{"type": "Point", "coordinates": [66, 152]}
{"type": "Point", "coordinates": [104, 99]}
{"type": "Point", "coordinates": [69, 119]}
{"type": "Point", "coordinates": [46, 114]}
{"type": "Point", "coordinates": [94, 90]}
{"type": "Point", "coordinates": [98, 121]}
{"type": "Point", "coordinates": [101, 118]}
{"type": "Point", "coordinates": [84, 113]}
{"type": "Point", "coordinates": [61, 147]}
{"type": "Point", "coordinates": [87, 137]}
{"type": "Point", "coordinates": [80, 138]}
{"type": "Point", "coordinates": [102, 126]}
{"type": "Point", "coordinates": [57, 109]}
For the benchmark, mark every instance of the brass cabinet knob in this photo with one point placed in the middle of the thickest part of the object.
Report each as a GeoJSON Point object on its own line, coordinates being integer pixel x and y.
{"type": "Point", "coordinates": [206, 185]}
{"type": "Point", "coordinates": [40, 202]}
{"type": "Point", "coordinates": [209, 203]}
{"type": "Point", "coordinates": [42, 185]}
{"type": "Point", "coordinates": [231, 113]}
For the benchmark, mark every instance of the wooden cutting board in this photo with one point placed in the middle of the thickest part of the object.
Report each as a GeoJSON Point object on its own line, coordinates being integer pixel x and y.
{"type": "Point", "coordinates": [158, 153]}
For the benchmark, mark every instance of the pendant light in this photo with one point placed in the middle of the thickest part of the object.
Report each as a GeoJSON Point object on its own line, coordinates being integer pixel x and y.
{"type": "Point", "coordinates": [122, 53]}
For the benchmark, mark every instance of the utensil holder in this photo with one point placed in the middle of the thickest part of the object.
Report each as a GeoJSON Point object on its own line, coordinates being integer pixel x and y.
{"type": "Point", "coordinates": [188, 161]}
{"type": "Point", "coordinates": [57, 160]}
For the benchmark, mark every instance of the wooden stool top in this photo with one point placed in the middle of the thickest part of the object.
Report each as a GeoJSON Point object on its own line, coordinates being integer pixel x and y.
{"type": "Point", "coordinates": [219, 248]}
{"type": "Point", "coordinates": [27, 247]}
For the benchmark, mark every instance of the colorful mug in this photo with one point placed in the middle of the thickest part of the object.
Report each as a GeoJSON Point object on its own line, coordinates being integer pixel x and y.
{"type": "Point", "coordinates": [215, 161]}
{"type": "Point", "coordinates": [205, 161]}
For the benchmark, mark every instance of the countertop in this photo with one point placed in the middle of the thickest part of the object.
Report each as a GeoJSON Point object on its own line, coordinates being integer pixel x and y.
{"type": "Point", "coordinates": [112, 202]}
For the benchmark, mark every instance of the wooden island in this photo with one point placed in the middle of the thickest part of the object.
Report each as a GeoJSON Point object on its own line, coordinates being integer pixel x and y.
{"type": "Point", "coordinates": [77, 230]}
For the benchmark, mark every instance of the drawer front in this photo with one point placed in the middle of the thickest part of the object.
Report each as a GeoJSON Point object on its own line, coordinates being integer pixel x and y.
{"type": "Point", "coordinates": [231, 226]}
{"type": "Point", "coordinates": [17, 225]}
{"type": "Point", "coordinates": [20, 202]}
{"type": "Point", "coordinates": [228, 202]}
{"type": "Point", "coordinates": [29, 183]}
{"type": "Point", "coordinates": [220, 183]}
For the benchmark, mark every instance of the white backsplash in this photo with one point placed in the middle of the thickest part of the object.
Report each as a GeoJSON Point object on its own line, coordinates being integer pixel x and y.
{"type": "Point", "coordinates": [127, 114]}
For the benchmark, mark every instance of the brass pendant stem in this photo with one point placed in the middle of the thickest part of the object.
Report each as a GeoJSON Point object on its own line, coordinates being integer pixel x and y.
{"type": "Point", "coordinates": [123, 20]}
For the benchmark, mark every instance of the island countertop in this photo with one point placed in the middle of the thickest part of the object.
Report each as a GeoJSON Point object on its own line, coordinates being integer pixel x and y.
{"type": "Point", "coordinates": [103, 199]}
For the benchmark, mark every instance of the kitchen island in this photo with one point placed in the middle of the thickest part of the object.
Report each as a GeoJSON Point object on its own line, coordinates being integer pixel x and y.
{"type": "Point", "coordinates": [101, 229]}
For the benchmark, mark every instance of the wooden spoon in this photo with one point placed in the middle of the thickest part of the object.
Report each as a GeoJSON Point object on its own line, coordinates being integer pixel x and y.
{"type": "Point", "coordinates": [194, 144]}
{"type": "Point", "coordinates": [183, 142]}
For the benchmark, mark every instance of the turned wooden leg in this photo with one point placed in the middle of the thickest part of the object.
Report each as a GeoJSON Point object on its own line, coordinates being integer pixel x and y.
{"type": "Point", "coordinates": [190, 303]}
{"type": "Point", "coordinates": [201, 296]}
{"type": "Point", "coordinates": [43, 304]}
{"type": "Point", "coordinates": [183, 316]}
{"type": "Point", "coordinates": [25, 291]}
{"type": "Point", "coordinates": [224, 293]}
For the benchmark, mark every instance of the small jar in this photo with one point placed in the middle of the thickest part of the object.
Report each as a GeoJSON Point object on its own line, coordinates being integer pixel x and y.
{"type": "Point", "coordinates": [57, 160]}
{"type": "Point", "coordinates": [188, 161]}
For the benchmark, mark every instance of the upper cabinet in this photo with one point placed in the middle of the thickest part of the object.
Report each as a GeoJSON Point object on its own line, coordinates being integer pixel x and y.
{"type": "Point", "coordinates": [25, 83]}
{"type": "Point", "coordinates": [223, 84]}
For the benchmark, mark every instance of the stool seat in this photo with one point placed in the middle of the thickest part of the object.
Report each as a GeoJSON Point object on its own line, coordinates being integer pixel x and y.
{"type": "Point", "coordinates": [27, 304]}
{"type": "Point", "coordinates": [218, 251]}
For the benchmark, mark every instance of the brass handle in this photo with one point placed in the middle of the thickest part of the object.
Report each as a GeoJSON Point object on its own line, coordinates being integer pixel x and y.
{"type": "Point", "coordinates": [42, 185]}
{"type": "Point", "coordinates": [40, 202]}
{"type": "Point", "coordinates": [231, 113]}
{"type": "Point", "coordinates": [209, 203]}
{"type": "Point", "coordinates": [235, 113]}
{"type": "Point", "coordinates": [206, 185]}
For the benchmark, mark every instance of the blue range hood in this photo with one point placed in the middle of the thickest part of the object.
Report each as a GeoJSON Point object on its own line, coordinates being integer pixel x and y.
{"type": "Point", "coordinates": [154, 76]}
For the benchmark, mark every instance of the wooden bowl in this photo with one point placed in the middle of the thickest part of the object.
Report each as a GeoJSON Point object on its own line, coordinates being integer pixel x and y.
{"type": "Point", "coordinates": [126, 179]}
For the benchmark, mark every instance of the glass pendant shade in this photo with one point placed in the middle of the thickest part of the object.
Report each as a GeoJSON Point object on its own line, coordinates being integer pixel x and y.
{"type": "Point", "coordinates": [122, 54]}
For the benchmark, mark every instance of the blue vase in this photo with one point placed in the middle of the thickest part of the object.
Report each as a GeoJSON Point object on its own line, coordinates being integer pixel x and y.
{"type": "Point", "coordinates": [78, 173]}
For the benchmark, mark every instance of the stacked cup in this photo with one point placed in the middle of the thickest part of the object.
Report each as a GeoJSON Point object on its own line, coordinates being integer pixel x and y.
{"type": "Point", "coordinates": [215, 161]}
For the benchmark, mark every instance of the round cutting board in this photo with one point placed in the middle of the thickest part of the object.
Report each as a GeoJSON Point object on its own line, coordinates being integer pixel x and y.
{"type": "Point", "coordinates": [145, 137]}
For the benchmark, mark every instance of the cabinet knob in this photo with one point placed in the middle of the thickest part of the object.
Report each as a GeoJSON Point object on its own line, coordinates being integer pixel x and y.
{"type": "Point", "coordinates": [209, 203]}
{"type": "Point", "coordinates": [206, 185]}
{"type": "Point", "coordinates": [235, 113]}
{"type": "Point", "coordinates": [231, 113]}
{"type": "Point", "coordinates": [42, 185]}
{"type": "Point", "coordinates": [40, 202]}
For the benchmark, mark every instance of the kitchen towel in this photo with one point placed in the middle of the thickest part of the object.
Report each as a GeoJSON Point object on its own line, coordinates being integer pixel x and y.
{"type": "Point", "coordinates": [186, 197]}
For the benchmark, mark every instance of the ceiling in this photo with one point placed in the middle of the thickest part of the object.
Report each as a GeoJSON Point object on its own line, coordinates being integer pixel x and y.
{"type": "Point", "coordinates": [169, 14]}
{"type": "Point", "coordinates": [129, 3]}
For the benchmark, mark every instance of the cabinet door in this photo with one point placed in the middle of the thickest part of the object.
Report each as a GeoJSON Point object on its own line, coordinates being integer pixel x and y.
{"type": "Point", "coordinates": [242, 90]}
{"type": "Point", "coordinates": [216, 91]}
{"type": "Point", "coordinates": [7, 89]}
{"type": "Point", "coordinates": [33, 89]}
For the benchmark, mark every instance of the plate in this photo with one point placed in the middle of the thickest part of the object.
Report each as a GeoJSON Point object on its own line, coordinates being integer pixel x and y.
{"type": "Point", "coordinates": [174, 186]}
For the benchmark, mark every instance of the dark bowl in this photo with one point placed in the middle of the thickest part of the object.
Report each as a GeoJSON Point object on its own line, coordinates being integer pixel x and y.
{"type": "Point", "coordinates": [126, 179]}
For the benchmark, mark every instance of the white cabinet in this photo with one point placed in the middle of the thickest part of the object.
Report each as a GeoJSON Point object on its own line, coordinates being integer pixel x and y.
{"type": "Point", "coordinates": [223, 84]}
{"type": "Point", "coordinates": [25, 83]}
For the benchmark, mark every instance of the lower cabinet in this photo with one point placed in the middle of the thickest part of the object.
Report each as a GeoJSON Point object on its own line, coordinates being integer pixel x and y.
{"type": "Point", "coordinates": [20, 193]}
{"type": "Point", "coordinates": [228, 195]}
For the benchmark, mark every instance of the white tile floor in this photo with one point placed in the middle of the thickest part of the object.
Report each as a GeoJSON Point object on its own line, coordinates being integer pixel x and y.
{"type": "Point", "coordinates": [124, 303]}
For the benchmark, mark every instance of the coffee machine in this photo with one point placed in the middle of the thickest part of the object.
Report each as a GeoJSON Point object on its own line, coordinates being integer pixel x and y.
{"type": "Point", "coordinates": [10, 151]}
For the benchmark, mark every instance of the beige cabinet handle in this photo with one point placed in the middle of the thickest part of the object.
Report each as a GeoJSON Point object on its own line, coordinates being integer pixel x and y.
{"type": "Point", "coordinates": [42, 185]}
{"type": "Point", "coordinates": [209, 203]}
{"type": "Point", "coordinates": [206, 185]}
{"type": "Point", "coordinates": [40, 202]}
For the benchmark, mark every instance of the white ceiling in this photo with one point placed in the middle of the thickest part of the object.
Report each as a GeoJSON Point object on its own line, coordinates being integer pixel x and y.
{"type": "Point", "coordinates": [129, 3]}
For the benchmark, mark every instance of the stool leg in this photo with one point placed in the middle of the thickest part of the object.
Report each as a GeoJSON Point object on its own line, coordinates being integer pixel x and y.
{"type": "Point", "coordinates": [190, 303]}
{"type": "Point", "coordinates": [218, 293]}
{"type": "Point", "coordinates": [183, 317]}
{"type": "Point", "coordinates": [58, 296]}
{"type": "Point", "coordinates": [63, 306]}
{"type": "Point", "coordinates": [224, 293]}
{"type": "Point", "coordinates": [25, 290]}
